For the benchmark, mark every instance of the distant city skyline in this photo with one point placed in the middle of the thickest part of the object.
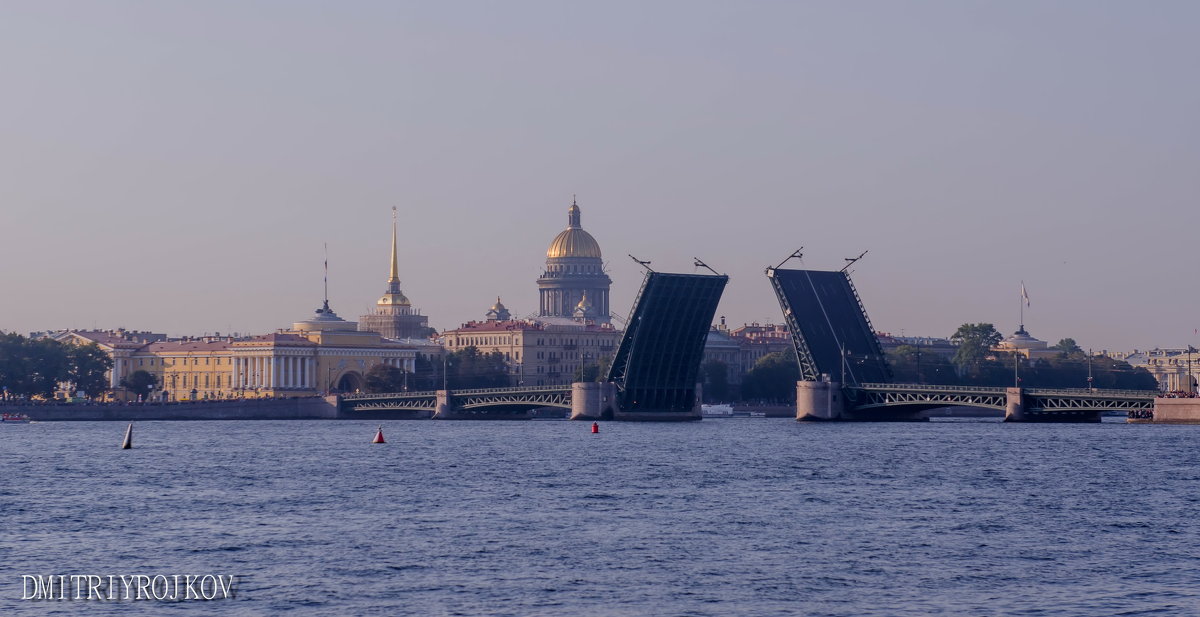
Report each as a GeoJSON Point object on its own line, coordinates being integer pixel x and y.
{"type": "Point", "coordinates": [177, 168]}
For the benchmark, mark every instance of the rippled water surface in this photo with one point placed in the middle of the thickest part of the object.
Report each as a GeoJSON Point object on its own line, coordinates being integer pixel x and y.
{"type": "Point", "coordinates": [721, 517]}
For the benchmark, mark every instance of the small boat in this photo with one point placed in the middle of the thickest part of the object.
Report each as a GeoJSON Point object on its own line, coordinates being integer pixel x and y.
{"type": "Point", "coordinates": [14, 418]}
{"type": "Point", "coordinates": [716, 411]}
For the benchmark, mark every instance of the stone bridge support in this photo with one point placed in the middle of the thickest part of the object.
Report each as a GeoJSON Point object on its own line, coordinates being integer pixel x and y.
{"type": "Point", "coordinates": [819, 400]}
{"type": "Point", "coordinates": [593, 400]}
{"type": "Point", "coordinates": [1014, 408]}
{"type": "Point", "coordinates": [443, 410]}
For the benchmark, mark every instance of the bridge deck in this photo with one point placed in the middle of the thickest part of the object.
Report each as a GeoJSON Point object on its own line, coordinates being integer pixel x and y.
{"type": "Point", "coordinates": [1036, 400]}
{"type": "Point", "coordinates": [830, 329]}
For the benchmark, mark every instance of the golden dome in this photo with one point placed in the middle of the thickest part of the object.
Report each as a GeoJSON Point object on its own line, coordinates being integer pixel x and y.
{"type": "Point", "coordinates": [573, 241]}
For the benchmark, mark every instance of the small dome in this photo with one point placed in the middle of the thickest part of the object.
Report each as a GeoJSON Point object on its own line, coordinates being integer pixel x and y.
{"type": "Point", "coordinates": [1022, 340]}
{"type": "Point", "coordinates": [394, 299]}
{"type": "Point", "coordinates": [324, 319]}
{"type": "Point", "coordinates": [498, 312]}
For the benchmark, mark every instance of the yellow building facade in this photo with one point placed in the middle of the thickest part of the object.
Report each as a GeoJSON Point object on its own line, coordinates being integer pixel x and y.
{"type": "Point", "coordinates": [321, 355]}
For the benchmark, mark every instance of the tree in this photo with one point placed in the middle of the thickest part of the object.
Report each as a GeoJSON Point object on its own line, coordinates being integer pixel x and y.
{"type": "Point", "coordinates": [469, 368]}
{"type": "Point", "coordinates": [773, 377]}
{"type": "Point", "coordinates": [426, 375]}
{"type": "Point", "coordinates": [45, 365]}
{"type": "Point", "coordinates": [975, 342]}
{"type": "Point", "coordinates": [1067, 346]}
{"type": "Point", "coordinates": [11, 361]}
{"type": "Point", "coordinates": [140, 382]}
{"type": "Point", "coordinates": [910, 364]}
{"type": "Point", "coordinates": [715, 377]}
{"type": "Point", "coordinates": [596, 371]}
{"type": "Point", "coordinates": [88, 365]}
{"type": "Point", "coordinates": [384, 378]}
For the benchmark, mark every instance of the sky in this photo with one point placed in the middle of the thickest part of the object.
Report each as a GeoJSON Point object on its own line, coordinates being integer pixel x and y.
{"type": "Point", "coordinates": [179, 166]}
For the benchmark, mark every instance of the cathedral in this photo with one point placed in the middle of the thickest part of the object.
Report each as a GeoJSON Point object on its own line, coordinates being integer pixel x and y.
{"type": "Point", "coordinates": [394, 316]}
{"type": "Point", "coordinates": [574, 284]}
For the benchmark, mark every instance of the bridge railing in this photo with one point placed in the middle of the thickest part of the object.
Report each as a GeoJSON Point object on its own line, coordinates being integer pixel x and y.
{"type": "Point", "coordinates": [464, 392]}
{"type": "Point", "coordinates": [912, 387]}
{"type": "Point", "coordinates": [511, 389]}
{"type": "Point", "coordinates": [1097, 392]}
{"type": "Point", "coordinates": [417, 394]}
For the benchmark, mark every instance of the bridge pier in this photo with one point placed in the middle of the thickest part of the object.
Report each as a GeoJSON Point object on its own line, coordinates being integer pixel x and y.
{"type": "Point", "coordinates": [819, 400]}
{"type": "Point", "coordinates": [442, 409]}
{"type": "Point", "coordinates": [593, 400]}
{"type": "Point", "coordinates": [1023, 408]}
{"type": "Point", "coordinates": [1014, 407]}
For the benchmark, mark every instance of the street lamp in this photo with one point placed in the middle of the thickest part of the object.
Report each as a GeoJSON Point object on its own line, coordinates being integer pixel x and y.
{"type": "Point", "coordinates": [1191, 385]}
{"type": "Point", "coordinates": [1089, 370]}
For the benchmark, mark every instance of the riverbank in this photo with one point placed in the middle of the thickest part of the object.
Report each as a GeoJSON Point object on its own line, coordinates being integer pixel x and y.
{"type": "Point", "coordinates": [310, 408]}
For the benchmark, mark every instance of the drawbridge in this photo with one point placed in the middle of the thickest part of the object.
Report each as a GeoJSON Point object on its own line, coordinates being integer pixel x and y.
{"type": "Point", "coordinates": [652, 377]}
{"type": "Point", "coordinates": [844, 374]}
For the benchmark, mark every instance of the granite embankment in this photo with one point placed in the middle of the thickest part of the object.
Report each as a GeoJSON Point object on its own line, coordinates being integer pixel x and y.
{"type": "Point", "coordinates": [311, 408]}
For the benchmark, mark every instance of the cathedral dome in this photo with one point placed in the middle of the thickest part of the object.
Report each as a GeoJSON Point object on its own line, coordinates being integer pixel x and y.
{"type": "Point", "coordinates": [573, 241]}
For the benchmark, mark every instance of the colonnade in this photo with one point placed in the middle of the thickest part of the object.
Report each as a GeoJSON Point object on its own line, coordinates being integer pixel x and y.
{"type": "Point", "coordinates": [289, 372]}
{"type": "Point", "coordinates": [274, 372]}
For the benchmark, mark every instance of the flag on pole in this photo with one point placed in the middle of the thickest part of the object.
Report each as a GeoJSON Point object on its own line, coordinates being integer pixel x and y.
{"type": "Point", "coordinates": [1024, 294]}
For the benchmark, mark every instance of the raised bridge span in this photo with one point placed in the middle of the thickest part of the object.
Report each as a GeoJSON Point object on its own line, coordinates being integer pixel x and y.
{"type": "Point", "coordinates": [653, 374]}
{"type": "Point", "coordinates": [844, 373]}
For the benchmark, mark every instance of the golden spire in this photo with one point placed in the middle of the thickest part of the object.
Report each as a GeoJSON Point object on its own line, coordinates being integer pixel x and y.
{"type": "Point", "coordinates": [395, 275]}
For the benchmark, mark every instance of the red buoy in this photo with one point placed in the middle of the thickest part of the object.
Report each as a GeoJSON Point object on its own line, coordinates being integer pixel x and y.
{"type": "Point", "coordinates": [595, 427]}
{"type": "Point", "coordinates": [379, 436]}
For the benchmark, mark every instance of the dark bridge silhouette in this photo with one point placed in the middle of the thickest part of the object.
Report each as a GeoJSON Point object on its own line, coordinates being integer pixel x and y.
{"type": "Point", "coordinates": [844, 373]}
{"type": "Point", "coordinates": [652, 377]}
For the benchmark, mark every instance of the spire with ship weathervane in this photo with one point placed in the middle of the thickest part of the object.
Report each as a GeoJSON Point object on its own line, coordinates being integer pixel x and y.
{"type": "Point", "coordinates": [394, 277]}
{"type": "Point", "coordinates": [394, 297]}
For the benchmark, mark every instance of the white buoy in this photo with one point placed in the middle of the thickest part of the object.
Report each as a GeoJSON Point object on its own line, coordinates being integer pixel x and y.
{"type": "Point", "coordinates": [128, 443]}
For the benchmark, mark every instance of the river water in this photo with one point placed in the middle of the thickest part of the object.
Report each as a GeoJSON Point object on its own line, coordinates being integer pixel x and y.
{"type": "Point", "coordinates": [721, 517]}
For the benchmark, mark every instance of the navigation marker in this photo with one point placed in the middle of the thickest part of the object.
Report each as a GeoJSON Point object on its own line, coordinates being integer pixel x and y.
{"type": "Point", "coordinates": [379, 436]}
{"type": "Point", "coordinates": [128, 443]}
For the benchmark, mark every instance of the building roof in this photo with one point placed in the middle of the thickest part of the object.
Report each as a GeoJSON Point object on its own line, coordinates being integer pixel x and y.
{"type": "Point", "coordinates": [277, 338]}
{"type": "Point", "coordinates": [521, 325]}
{"type": "Point", "coordinates": [184, 346]}
{"type": "Point", "coordinates": [113, 339]}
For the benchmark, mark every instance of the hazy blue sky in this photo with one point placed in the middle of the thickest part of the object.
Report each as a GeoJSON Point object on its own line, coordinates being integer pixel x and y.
{"type": "Point", "coordinates": [176, 166]}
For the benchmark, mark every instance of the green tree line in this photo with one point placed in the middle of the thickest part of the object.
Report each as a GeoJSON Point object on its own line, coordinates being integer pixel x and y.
{"type": "Point", "coordinates": [34, 367]}
{"type": "Point", "coordinates": [773, 378]}
{"type": "Point", "coordinates": [464, 369]}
